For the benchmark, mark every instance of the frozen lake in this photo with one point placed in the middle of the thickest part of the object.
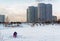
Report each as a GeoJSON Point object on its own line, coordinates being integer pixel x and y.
{"type": "Point", "coordinates": [31, 33]}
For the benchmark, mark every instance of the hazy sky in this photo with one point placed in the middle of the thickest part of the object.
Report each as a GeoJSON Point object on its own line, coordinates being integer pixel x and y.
{"type": "Point", "coordinates": [18, 7]}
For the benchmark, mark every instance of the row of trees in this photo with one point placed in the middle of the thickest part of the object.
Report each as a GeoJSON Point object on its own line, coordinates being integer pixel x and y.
{"type": "Point", "coordinates": [31, 22]}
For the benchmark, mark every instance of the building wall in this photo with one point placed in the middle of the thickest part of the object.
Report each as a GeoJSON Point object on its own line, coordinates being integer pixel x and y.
{"type": "Point", "coordinates": [2, 18]}
{"type": "Point", "coordinates": [31, 14]}
{"type": "Point", "coordinates": [42, 12]}
{"type": "Point", "coordinates": [36, 14]}
{"type": "Point", "coordinates": [48, 12]}
{"type": "Point", "coordinates": [45, 12]}
{"type": "Point", "coordinates": [27, 15]}
{"type": "Point", "coordinates": [54, 18]}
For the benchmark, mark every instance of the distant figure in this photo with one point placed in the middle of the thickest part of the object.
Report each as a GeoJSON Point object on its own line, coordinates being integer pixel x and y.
{"type": "Point", "coordinates": [15, 34]}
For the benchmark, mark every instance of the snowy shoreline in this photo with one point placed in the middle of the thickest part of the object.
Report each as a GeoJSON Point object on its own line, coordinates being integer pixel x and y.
{"type": "Point", "coordinates": [31, 33]}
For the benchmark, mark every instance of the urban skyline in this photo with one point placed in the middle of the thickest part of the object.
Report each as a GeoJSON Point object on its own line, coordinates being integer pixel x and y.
{"type": "Point", "coordinates": [18, 7]}
{"type": "Point", "coordinates": [41, 13]}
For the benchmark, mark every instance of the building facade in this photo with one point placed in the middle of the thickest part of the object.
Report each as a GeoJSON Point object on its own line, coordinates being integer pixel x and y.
{"type": "Point", "coordinates": [2, 18]}
{"type": "Point", "coordinates": [32, 14]}
{"type": "Point", "coordinates": [54, 18]}
{"type": "Point", "coordinates": [49, 12]}
{"type": "Point", "coordinates": [42, 12]}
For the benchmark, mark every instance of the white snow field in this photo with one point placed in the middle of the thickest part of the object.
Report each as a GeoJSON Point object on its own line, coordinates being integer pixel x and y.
{"type": "Point", "coordinates": [31, 33]}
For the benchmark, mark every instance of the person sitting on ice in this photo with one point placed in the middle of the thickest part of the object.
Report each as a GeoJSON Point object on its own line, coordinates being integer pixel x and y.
{"type": "Point", "coordinates": [15, 34]}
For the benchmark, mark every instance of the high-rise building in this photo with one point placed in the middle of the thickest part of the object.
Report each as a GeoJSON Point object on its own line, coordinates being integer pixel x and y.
{"type": "Point", "coordinates": [32, 14]}
{"type": "Point", "coordinates": [42, 12]}
{"type": "Point", "coordinates": [49, 12]}
{"type": "Point", "coordinates": [2, 18]}
{"type": "Point", "coordinates": [54, 18]}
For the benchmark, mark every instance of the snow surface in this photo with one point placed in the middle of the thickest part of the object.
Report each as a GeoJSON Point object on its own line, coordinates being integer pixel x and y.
{"type": "Point", "coordinates": [31, 33]}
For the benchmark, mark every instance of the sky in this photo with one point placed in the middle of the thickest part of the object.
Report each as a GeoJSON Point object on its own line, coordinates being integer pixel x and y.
{"type": "Point", "coordinates": [18, 7]}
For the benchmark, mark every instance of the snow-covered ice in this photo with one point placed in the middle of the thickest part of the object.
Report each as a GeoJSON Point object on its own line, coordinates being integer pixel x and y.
{"type": "Point", "coordinates": [28, 33]}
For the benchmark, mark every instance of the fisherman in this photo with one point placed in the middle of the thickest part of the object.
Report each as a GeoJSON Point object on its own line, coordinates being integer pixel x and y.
{"type": "Point", "coordinates": [15, 34]}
